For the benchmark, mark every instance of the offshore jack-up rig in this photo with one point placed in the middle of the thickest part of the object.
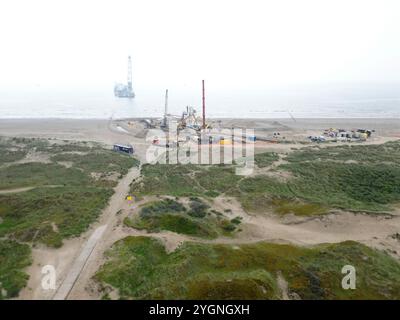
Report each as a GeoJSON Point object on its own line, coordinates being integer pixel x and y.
{"type": "Point", "coordinates": [122, 90]}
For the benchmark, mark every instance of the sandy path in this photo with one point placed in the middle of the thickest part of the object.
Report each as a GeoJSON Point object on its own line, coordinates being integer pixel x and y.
{"type": "Point", "coordinates": [71, 258]}
{"type": "Point", "coordinates": [19, 190]}
{"type": "Point", "coordinates": [373, 230]}
{"type": "Point", "coordinates": [108, 220]}
{"type": "Point", "coordinates": [334, 228]}
{"type": "Point", "coordinates": [73, 274]}
{"type": "Point", "coordinates": [16, 190]}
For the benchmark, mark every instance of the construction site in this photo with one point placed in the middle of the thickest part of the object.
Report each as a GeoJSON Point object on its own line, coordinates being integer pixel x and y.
{"type": "Point", "coordinates": [193, 127]}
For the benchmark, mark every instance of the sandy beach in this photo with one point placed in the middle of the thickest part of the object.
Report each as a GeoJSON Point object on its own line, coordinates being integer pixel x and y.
{"type": "Point", "coordinates": [106, 130]}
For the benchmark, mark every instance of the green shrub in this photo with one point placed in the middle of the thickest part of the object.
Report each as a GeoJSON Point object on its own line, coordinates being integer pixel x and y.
{"type": "Point", "coordinates": [198, 209]}
{"type": "Point", "coordinates": [161, 207]}
{"type": "Point", "coordinates": [14, 258]}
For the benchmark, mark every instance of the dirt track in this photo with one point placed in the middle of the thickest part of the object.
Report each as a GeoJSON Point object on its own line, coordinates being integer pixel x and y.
{"type": "Point", "coordinates": [116, 204]}
{"type": "Point", "coordinates": [79, 263]}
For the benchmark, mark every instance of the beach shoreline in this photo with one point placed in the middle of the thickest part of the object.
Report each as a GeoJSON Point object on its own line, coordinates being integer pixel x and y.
{"type": "Point", "coordinates": [103, 130]}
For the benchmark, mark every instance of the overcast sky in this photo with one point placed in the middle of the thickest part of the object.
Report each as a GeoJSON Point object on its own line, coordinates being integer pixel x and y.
{"type": "Point", "coordinates": [235, 44]}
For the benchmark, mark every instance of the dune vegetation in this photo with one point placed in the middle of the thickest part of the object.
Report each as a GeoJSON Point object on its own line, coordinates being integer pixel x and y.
{"type": "Point", "coordinates": [196, 220]}
{"type": "Point", "coordinates": [358, 178]}
{"type": "Point", "coordinates": [14, 257]}
{"type": "Point", "coordinates": [140, 268]}
{"type": "Point", "coordinates": [55, 193]}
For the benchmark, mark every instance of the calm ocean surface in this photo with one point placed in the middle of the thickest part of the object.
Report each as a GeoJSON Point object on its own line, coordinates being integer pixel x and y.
{"type": "Point", "coordinates": [103, 105]}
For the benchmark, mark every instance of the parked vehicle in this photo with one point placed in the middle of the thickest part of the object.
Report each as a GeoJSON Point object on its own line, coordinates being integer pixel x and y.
{"type": "Point", "coordinates": [123, 148]}
{"type": "Point", "coordinates": [317, 138]}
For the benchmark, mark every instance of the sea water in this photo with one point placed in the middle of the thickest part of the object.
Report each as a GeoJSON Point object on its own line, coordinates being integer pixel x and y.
{"type": "Point", "coordinates": [101, 104]}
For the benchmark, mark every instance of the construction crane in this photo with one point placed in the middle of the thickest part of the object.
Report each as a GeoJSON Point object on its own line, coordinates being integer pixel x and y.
{"type": "Point", "coordinates": [189, 118]}
{"type": "Point", "coordinates": [122, 90]}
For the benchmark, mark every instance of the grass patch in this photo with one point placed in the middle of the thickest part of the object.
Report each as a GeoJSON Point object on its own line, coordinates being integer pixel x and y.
{"type": "Point", "coordinates": [141, 269]}
{"type": "Point", "coordinates": [10, 155]}
{"type": "Point", "coordinates": [369, 187]}
{"type": "Point", "coordinates": [103, 161]}
{"type": "Point", "coordinates": [185, 180]}
{"type": "Point", "coordinates": [320, 185]}
{"type": "Point", "coordinates": [14, 258]}
{"type": "Point", "coordinates": [265, 159]}
{"type": "Point", "coordinates": [218, 179]}
{"type": "Point", "coordinates": [164, 179]}
{"type": "Point", "coordinates": [320, 182]}
{"type": "Point", "coordinates": [48, 215]}
{"type": "Point", "coordinates": [65, 201]}
{"type": "Point", "coordinates": [323, 178]}
{"type": "Point", "coordinates": [284, 206]}
{"type": "Point", "coordinates": [40, 174]}
{"type": "Point", "coordinates": [388, 152]}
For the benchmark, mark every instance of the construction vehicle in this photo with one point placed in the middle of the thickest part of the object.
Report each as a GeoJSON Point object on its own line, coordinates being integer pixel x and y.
{"type": "Point", "coordinates": [366, 131]}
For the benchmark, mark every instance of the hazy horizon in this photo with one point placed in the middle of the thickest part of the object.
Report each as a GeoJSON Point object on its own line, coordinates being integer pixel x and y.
{"type": "Point", "coordinates": [235, 45]}
{"type": "Point", "coordinates": [256, 56]}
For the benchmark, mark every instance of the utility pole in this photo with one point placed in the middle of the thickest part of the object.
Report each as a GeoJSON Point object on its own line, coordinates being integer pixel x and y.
{"type": "Point", "coordinates": [204, 107]}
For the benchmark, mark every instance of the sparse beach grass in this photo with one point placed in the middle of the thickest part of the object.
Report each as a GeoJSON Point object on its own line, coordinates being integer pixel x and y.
{"type": "Point", "coordinates": [49, 215]}
{"type": "Point", "coordinates": [48, 202]}
{"type": "Point", "coordinates": [99, 161]}
{"type": "Point", "coordinates": [265, 159]}
{"type": "Point", "coordinates": [358, 178]}
{"type": "Point", "coordinates": [185, 180]}
{"type": "Point", "coordinates": [64, 201]}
